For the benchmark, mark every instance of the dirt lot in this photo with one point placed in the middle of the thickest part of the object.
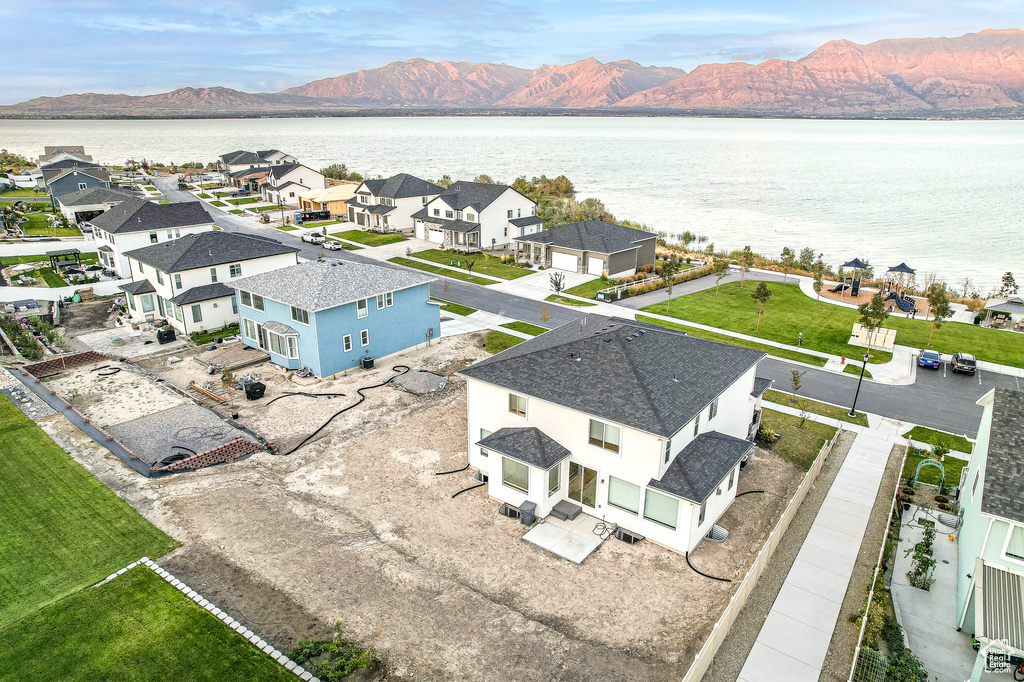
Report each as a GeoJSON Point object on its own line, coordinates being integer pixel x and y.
{"type": "Point", "coordinates": [355, 527]}
{"type": "Point", "coordinates": [109, 400]}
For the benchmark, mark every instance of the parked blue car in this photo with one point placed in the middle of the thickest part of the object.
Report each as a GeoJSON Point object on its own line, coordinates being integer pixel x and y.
{"type": "Point", "coordinates": [929, 358]}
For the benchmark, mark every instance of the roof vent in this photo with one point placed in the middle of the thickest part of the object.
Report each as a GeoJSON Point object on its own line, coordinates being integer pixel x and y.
{"type": "Point", "coordinates": [675, 378]}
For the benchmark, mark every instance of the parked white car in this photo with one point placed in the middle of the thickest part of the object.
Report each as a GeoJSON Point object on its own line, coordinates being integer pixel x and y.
{"type": "Point", "coordinates": [313, 238]}
{"type": "Point", "coordinates": [332, 245]}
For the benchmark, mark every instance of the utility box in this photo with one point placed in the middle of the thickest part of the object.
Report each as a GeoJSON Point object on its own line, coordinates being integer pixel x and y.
{"type": "Point", "coordinates": [528, 513]}
{"type": "Point", "coordinates": [367, 363]}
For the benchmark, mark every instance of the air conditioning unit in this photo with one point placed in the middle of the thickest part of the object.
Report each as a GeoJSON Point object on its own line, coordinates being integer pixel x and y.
{"type": "Point", "coordinates": [628, 536]}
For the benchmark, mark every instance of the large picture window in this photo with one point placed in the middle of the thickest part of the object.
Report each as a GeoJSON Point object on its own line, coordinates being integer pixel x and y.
{"type": "Point", "coordinates": [661, 509]}
{"type": "Point", "coordinates": [515, 475]}
{"type": "Point", "coordinates": [605, 435]}
{"type": "Point", "coordinates": [197, 313]}
{"type": "Point", "coordinates": [147, 303]}
{"type": "Point", "coordinates": [623, 495]}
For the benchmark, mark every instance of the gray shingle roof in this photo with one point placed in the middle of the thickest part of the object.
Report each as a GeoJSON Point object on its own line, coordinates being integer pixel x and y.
{"type": "Point", "coordinates": [698, 469]}
{"type": "Point", "coordinates": [206, 292]}
{"type": "Point", "coordinates": [644, 376]}
{"type": "Point", "coordinates": [479, 195]}
{"type": "Point", "coordinates": [527, 220]}
{"type": "Point", "coordinates": [402, 186]}
{"type": "Point", "coordinates": [590, 235]}
{"type": "Point", "coordinates": [447, 223]}
{"type": "Point", "coordinates": [1004, 469]}
{"type": "Point", "coordinates": [761, 385]}
{"type": "Point", "coordinates": [1013, 305]}
{"type": "Point", "coordinates": [318, 285]}
{"type": "Point", "coordinates": [235, 158]}
{"type": "Point", "coordinates": [95, 195]}
{"type": "Point", "coordinates": [97, 173]}
{"type": "Point", "coordinates": [245, 172]}
{"type": "Point", "coordinates": [105, 249]}
{"type": "Point", "coordinates": [528, 445]}
{"type": "Point", "coordinates": [140, 215]}
{"type": "Point", "coordinates": [279, 328]}
{"type": "Point", "coordinates": [143, 286]}
{"type": "Point", "coordinates": [284, 169]}
{"type": "Point", "coordinates": [69, 163]}
{"type": "Point", "coordinates": [207, 249]}
{"type": "Point", "coordinates": [378, 209]}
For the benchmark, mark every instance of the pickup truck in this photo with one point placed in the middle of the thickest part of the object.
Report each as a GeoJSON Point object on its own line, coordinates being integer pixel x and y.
{"type": "Point", "coordinates": [313, 238]}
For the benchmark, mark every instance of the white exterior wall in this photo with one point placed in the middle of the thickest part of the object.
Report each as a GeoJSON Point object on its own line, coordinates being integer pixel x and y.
{"type": "Point", "coordinates": [401, 217]}
{"type": "Point", "coordinates": [494, 219]}
{"type": "Point", "coordinates": [129, 241]}
{"type": "Point", "coordinates": [69, 211]}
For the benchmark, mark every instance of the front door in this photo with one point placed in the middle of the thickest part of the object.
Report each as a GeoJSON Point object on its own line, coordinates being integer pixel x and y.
{"type": "Point", "coordinates": [582, 485]}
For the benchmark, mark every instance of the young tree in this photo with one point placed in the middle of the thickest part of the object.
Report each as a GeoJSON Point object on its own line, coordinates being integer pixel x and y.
{"type": "Point", "coordinates": [938, 301]}
{"type": "Point", "coordinates": [796, 380]}
{"type": "Point", "coordinates": [544, 314]}
{"type": "Point", "coordinates": [557, 280]}
{"type": "Point", "coordinates": [786, 259]}
{"type": "Point", "coordinates": [746, 262]}
{"type": "Point", "coordinates": [336, 171]}
{"type": "Point", "coordinates": [965, 285]}
{"type": "Point", "coordinates": [1009, 285]}
{"type": "Point", "coordinates": [819, 277]}
{"type": "Point", "coordinates": [873, 315]}
{"type": "Point", "coordinates": [470, 262]}
{"type": "Point", "coordinates": [721, 270]}
{"type": "Point", "coordinates": [668, 271]}
{"type": "Point", "coordinates": [761, 294]}
{"type": "Point", "coordinates": [806, 259]}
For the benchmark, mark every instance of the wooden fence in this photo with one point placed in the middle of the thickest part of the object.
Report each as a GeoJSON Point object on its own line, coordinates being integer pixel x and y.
{"type": "Point", "coordinates": [720, 631]}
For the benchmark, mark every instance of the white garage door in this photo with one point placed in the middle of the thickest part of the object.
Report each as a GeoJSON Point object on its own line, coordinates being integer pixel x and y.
{"type": "Point", "coordinates": [436, 236]}
{"type": "Point", "coordinates": [564, 261]}
{"type": "Point", "coordinates": [595, 266]}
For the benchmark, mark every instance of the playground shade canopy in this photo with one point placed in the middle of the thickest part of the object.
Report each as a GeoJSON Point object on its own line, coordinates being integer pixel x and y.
{"type": "Point", "coordinates": [903, 268]}
{"type": "Point", "coordinates": [856, 264]}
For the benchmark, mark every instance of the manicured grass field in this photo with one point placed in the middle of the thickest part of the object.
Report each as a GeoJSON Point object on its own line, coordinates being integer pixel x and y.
{"type": "Point", "coordinates": [742, 343]}
{"type": "Point", "coordinates": [933, 437]}
{"type": "Point", "coordinates": [264, 209]}
{"type": "Point", "coordinates": [488, 265]}
{"type": "Point", "coordinates": [799, 446]}
{"type": "Point", "coordinates": [51, 278]}
{"type": "Point", "coordinates": [236, 211]}
{"type": "Point", "coordinates": [321, 223]}
{"type": "Point", "coordinates": [441, 272]}
{"type": "Point", "coordinates": [525, 328]}
{"type": "Point", "coordinates": [568, 301]}
{"type": "Point", "coordinates": [499, 341]}
{"type": "Point", "coordinates": [455, 308]}
{"type": "Point", "coordinates": [930, 474]}
{"type": "Point", "coordinates": [62, 529]}
{"type": "Point", "coordinates": [855, 370]}
{"type": "Point", "coordinates": [221, 195]}
{"type": "Point", "coordinates": [39, 224]}
{"type": "Point", "coordinates": [369, 238]}
{"type": "Point", "coordinates": [217, 203]}
{"type": "Point", "coordinates": [245, 200]}
{"type": "Point", "coordinates": [204, 196]}
{"type": "Point", "coordinates": [22, 193]}
{"type": "Point", "coordinates": [588, 289]}
{"type": "Point", "coordinates": [134, 628]}
{"type": "Point", "coordinates": [287, 228]}
{"type": "Point", "coordinates": [824, 409]}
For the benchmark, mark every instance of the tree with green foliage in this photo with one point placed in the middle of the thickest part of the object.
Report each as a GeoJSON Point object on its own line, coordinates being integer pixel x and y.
{"type": "Point", "coordinates": [872, 316]}
{"type": "Point", "coordinates": [938, 302]}
{"type": "Point", "coordinates": [806, 259]}
{"type": "Point", "coordinates": [746, 262]}
{"type": "Point", "coordinates": [720, 267]}
{"type": "Point", "coordinates": [445, 181]}
{"type": "Point", "coordinates": [336, 171]}
{"type": "Point", "coordinates": [787, 259]}
{"type": "Point", "coordinates": [761, 294]}
{"type": "Point", "coordinates": [1008, 286]}
{"type": "Point", "coordinates": [10, 159]}
{"type": "Point", "coordinates": [819, 277]}
{"type": "Point", "coordinates": [485, 179]}
{"type": "Point", "coordinates": [668, 272]}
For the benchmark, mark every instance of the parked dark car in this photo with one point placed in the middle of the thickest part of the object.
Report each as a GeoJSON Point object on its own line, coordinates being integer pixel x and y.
{"type": "Point", "coordinates": [964, 362]}
{"type": "Point", "coordinates": [929, 358]}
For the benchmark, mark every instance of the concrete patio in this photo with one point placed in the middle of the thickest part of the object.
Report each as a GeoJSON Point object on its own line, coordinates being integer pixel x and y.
{"type": "Point", "coordinates": [574, 540]}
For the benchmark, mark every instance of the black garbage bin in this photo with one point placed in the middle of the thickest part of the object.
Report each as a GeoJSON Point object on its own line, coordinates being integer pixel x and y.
{"type": "Point", "coordinates": [165, 335]}
{"type": "Point", "coordinates": [254, 390]}
{"type": "Point", "coordinates": [367, 363]}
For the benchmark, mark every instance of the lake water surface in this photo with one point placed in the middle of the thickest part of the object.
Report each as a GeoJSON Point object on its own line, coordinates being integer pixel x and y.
{"type": "Point", "coordinates": [944, 196]}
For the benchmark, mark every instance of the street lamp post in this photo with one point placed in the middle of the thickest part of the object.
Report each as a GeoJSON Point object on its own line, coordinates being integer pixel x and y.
{"type": "Point", "coordinates": [853, 410]}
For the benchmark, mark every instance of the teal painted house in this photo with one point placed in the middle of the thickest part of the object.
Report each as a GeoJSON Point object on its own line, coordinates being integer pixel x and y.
{"type": "Point", "coordinates": [990, 582]}
{"type": "Point", "coordinates": [328, 315]}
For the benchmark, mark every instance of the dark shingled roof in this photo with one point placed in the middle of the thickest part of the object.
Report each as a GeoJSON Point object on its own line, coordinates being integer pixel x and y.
{"type": "Point", "coordinates": [207, 249]}
{"type": "Point", "coordinates": [1004, 468]}
{"type": "Point", "coordinates": [105, 249]}
{"type": "Point", "coordinates": [590, 235]}
{"type": "Point", "coordinates": [761, 385]}
{"type": "Point", "coordinates": [644, 376]}
{"type": "Point", "coordinates": [402, 186]}
{"type": "Point", "coordinates": [97, 173]}
{"type": "Point", "coordinates": [235, 158]}
{"type": "Point", "coordinates": [528, 445]}
{"type": "Point", "coordinates": [95, 195]}
{"type": "Point", "coordinates": [139, 215]}
{"type": "Point", "coordinates": [205, 292]}
{"type": "Point", "coordinates": [528, 220]}
{"type": "Point", "coordinates": [478, 195]}
{"type": "Point", "coordinates": [447, 223]}
{"type": "Point", "coordinates": [700, 467]}
{"type": "Point", "coordinates": [69, 163]}
{"type": "Point", "coordinates": [143, 286]}
{"type": "Point", "coordinates": [284, 169]}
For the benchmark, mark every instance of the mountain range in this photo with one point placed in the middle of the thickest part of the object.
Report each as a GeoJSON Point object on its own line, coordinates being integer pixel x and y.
{"type": "Point", "coordinates": [975, 75]}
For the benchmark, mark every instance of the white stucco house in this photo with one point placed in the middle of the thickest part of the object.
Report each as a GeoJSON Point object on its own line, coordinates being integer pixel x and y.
{"type": "Point", "coordinates": [241, 160]}
{"type": "Point", "coordinates": [387, 205]}
{"type": "Point", "coordinates": [189, 281]}
{"type": "Point", "coordinates": [636, 424]}
{"type": "Point", "coordinates": [84, 204]}
{"type": "Point", "coordinates": [473, 216]}
{"type": "Point", "coordinates": [286, 182]}
{"type": "Point", "coordinates": [137, 222]}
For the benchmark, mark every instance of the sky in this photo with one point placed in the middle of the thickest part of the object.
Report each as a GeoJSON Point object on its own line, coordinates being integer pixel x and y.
{"type": "Point", "coordinates": [148, 47]}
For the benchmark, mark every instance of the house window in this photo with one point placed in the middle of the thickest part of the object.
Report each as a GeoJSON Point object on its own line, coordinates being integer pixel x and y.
{"type": "Point", "coordinates": [178, 315]}
{"type": "Point", "coordinates": [301, 316]}
{"type": "Point", "coordinates": [363, 199]}
{"type": "Point", "coordinates": [437, 211]}
{"type": "Point", "coordinates": [140, 266]}
{"type": "Point", "coordinates": [234, 306]}
{"type": "Point", "coordinates": [510, 213]}
{"type": "Point", "coordinates": [458, 215]}
{"type": "Point", "coordinates": [483, 434]}
{"type": "Point", "coordinates": [696, 425]}
{"type": "Point", "coordinates": [519, 213]}
{"type": "Point", "coordinates": [1015, 544]}
{"type": "Point", "coordinates": [732, 478]}
{"type": "Point", "coordinates": [291, 194]}
{"type": "Point", "coordinates": [82, 185]}
{"type": "Point", "coordinates": [246, 299]}
{"type": "Point", "coordinates": [515, 475]}
{"type": "Point", "coordinates": [703, 513]}
{"type": "Point", "coordinates": [235, 270]}
{"type": "Point", "coordinates": [380, 301]}
{"type": "Point", "coordinates": [623, 495]}
{"type": "Point", "coordinates": [197, 313]}
{"type": "Point", "coordinates": [364, 337]}
{"type": "Point", "coordinates": [362, 309]}
{"type": "Point", "coordinates": [131, 301]}
{"type": "Point", "coordinates": [668, 450]}
{"type": "Point", "coordinates": [276, 343]}
{"type": "Point", "coordinates": [974, 486]}
{"type": "Point", "coordinates": [257, 302]}
{"type": "Point", "coordinates": [425, 200]}
{"type": "Point", "coordinates": [293, 347]}
{"type": "Point", "coordinates": [505, 233]}
{"type": "Point", "coordinates": [470, 217]}
{"type": "Point", "coordinates": [661, 509]}
{"type": "Point", "coordinates": [152, 238]}
{"type": "Point", "coordinates": [554, 479]}
{"type": "Point", "coordinates": [249, 329]}
{"type": "Point", "coordinates": [169, 233]}
{"type": "Point", "coordinates": [517, 404]}
{"type": "Point", "coordinates": [159, 277]}
{"type": "Point", "coordinates": [147, 303]}
{"type": "Point", "coordinates": [605, 435]}
{"type": "Point", "coordinates": [177, 233]}
{"type": "Point", "coordinates": [389, 299]}
{"type": "Point", "coordinates": [714, 410]}
{"type": "Point", "coordinates": [448, 214]}
{"type": "Point", "coordinates": [177, 281]}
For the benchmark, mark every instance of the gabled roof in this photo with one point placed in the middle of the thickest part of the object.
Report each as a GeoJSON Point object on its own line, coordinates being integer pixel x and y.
{"type": "Point", "coordinates": [206, 292]}
{"type": "Point", "coordinates": [142, 286]}
{"type": "Point", "coordinates": [590, 235]}
{"type": "Point", "coordinates": [69, 163]}
{"type": "Point", "coordinates": [95, 195]}
{"type": "Point", "coordinates": [97, 173]}
{"type": "Point", "coordinates": [139, 215]}
{"type": "Point", "coordinates": [240, 157]}
{"type": "Point", "coordinates": [1013, 305]}
{"type": "Point", "coordinates": [288, 184]}
{"type": "Point", "coordinates": [278, 172]}
{"type": "Point", "coordinates": [698, 469]}
{"type": "Point", "coordinates": [447, 223]}
{"type": "Point", "coordinates": [267, 153]}
{"type": "Point", "coordinates": [528, 445]}
{"type": "Point", "coordinates": [207, 249]}
{"type": "Point", "coordinates": [644, 376]}
{"type": "Point", "coordinates": [402, 186]}
{"type": "Point", "coordinates": [526, 220]}
{"type": "Point", "coordinates": [318, 285]}
{"type": "Point", "coordinates": [1004, 468]}
{"type": "Point", "coordinates": [478, 195]}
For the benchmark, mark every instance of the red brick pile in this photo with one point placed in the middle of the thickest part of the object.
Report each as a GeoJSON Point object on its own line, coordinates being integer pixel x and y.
{"type": "Point", "coordinates": [64, 362]}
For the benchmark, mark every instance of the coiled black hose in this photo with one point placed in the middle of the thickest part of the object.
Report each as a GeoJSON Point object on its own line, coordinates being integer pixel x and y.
{"type": "Point", "coordinates": [466, 490]}
{"type": "Point", "coordinates": [721, 580]}
{"type": "Point", "coordinates": [362, 397]}
{"type": "Point", "coordinates": [454, 471]}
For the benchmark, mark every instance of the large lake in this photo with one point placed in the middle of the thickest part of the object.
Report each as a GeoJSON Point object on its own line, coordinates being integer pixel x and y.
{"type": "Point", "coordinates": [946, 197]}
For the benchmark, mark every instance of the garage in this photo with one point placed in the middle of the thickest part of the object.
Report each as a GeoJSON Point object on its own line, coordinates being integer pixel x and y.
{"type": "Point", "coordinates": [436, 236]}
{"type": "Point", "coordinates": [595, 266]}
{"type": "Point", "coordinates": [564, 261]}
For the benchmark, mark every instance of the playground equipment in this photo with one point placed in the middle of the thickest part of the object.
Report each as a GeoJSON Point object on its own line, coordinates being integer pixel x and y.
{"type": "Point", "coordinates": [858, 266]}
{"type": "Point", "coordinates": [898, 279]}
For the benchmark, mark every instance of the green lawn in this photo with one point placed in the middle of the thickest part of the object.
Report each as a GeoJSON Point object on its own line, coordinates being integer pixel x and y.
{"type": "Point", "coordinates": [204, 196]}
{"type": "Point", "coordinates": [351, 247]}
{"type": "Point", "coordinates": [567, 301]}
{"type": "Point", "coordinates": [499, 341]}
{"type": "Point", "coordinates": [321, 223]}
{"type": "Point", "coordinates": [287, 228]}
{"type": "Point", "coordinates": [245, 200]}
{"type": "Point", "coordinates": [135, 628]}
{"type": "Point", "coordinates": [930, 474]}
{"type": "Point", "coordinates": [221, 195]}
{"type": "Point", "coordinates": [87, 257]}
{"type": "Point", "coordinates": [62, 529]}
{"type": "Point", "coordinates": [455, 308]}
{"type": "Point", "coordinates": [441, 272]}
{"type": "Point", "coordinates": [588, 289]}
{"type": "Point", "coordinates": [39, 224]}
{"type": "Point", "coordinates": [742, 343]}
{"type": "Point", "coordinates": [799, 446]}
{"type": "Point", "coordinates": [525, 328]}
{"type": "Point", "coordinates": [369, 238]}
{"type": "Point", "coordinates": [51, 278]}
{"type": "Point", "coordinates": [217, 203]}
{"type": "Point", "coordinates": [485, 265]}
{"type": "Point", "coordinates": [264, 209]}
{"type": "Point", "coordinates": [933, 437]}
{"type": "Point", "coordinates": [163, 202]}
{"type": "Point", "coordinates": [22, 193]}
{"type": "Point", "coordinates": [824, 409]}
{"type": "Point", "coordinates": [236, 211]}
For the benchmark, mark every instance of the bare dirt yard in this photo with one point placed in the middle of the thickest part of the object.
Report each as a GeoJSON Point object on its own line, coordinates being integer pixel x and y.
{"type": "Point", "coordinates": [356, 527]}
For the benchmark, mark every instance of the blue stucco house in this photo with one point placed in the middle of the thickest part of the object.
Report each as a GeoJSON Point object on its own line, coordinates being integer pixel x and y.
{"type": "Point", "coordinates": [74, 179]}
{"type": "Point", "coordinates": [328, 315]}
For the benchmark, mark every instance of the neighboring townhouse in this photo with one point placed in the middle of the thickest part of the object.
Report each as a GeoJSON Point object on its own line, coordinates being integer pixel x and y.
{"type": "Point", "coordinates": [75, 178]}
{"type": "Point", "coordinates": [285, 182]}
{"type": "Point", "coordinates": [331, 315]}
{"type": "Point", "coordinates": [592, 246]}
{"type": "Point", "coordinates": [333, 199]}
{"type": "Point", "coordinates": [85, 204]}
{"type": "Point", "coordinates": [136, 222]}
{"type": "Point", "coordinates": [248, 180]}
{"type": "Point", "coordinates": [387, 205]}
{"type": "Point", "coordinates": [52, 170]}
{"type": "Point", "coordinates": [636, 424]}
{"type": "Point", "coordinates": [52, 154]}
{"type": "Point", "coordinates": [990, 586]}
{"type": "Point", "coordinates": [473, 216]}
{"type": "Point", "coordinates": [190, 281]}
{"type": "Point", "coordinates": [242, 160]}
